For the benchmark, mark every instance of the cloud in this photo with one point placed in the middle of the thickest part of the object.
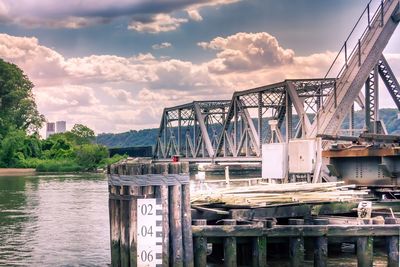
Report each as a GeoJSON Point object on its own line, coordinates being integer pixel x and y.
{"type": "Point", "coordinates": [247, 51]}
{"type": "Point", "coordinates": [161, 46]}
{"type": "Point", "coordinates": [146, 16]}
{"type": "Point", "coordinates": [112, 93]}
{"type": "Point", "coordinates": [121, 95]}
{"type": "Point", "coordinates": [158, 23]}
{"type": "Point", "coordinates": [44, 65]}
{"type": "Point", "coordinates": [65, 97]}
{"type": "Point", "coordinates": [194, 15]}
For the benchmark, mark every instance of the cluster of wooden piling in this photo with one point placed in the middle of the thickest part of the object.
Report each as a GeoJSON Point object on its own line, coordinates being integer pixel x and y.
{"type": "Point", "coordinates": [167, 182]}
{"type": "Point", "coordinates": [232, 235]}
{"type": "Point", "coordinates": [255, 237]}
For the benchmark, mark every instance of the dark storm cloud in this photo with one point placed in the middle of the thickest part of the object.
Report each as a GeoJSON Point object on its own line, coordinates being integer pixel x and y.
{"type": "Point", "coordinates": [76, 13]}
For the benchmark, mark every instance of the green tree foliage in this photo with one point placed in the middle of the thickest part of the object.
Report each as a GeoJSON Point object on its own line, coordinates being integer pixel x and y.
{"type": "Point", "coordinates": [82, 134]}
{"type": "Point", "coordinates": [60, 152]}
{"type": "Point", "coordinates": [17, 106]}
{"type": "Point", "coordinates": [20, 145]}
{"type": "Point", "coordinates": [57, 146]}
{"type": "Point", "coordinates": [146, 137]}
{"type": "Point", "coordinates": [73, 148]}
{"type": "Point", "coordinates": [12, 147]}
{"type": "Point", "coordinates": [90, 155]}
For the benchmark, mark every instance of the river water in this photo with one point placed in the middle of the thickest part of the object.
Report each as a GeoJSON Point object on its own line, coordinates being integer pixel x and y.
{"type": "Point", "coordinates": [54, 220]}
{"type": "Point", "coordinates": [62, 220]}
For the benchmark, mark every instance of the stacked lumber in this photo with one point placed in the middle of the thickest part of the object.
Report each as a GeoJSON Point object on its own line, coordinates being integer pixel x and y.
{"type": "Point", "coordinates": [266, 194]}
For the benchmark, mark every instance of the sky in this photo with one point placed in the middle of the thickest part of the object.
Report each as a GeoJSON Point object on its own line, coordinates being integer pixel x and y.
{"type": "Point", "coordinates": [114, 65]}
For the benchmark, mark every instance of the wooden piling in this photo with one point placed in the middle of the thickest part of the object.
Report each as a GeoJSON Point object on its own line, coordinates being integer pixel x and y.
{"type": "Point", "coordinates": [124, 225]}
{"type": "Point", "coordinates": [321, 246]}
{"type": "Point", "coordinates": [134, 192]}
{"type": "Point", "coordinates": [230, 248]}
{"type": "Point", "coordinates": [365, 251]}
{"type": "Point", "coordinates": [392, 245]}
{"type": "Point", "coordinates": [259, 249]}
{"type": "Point", "coordinates": [175, 208]}
{"type": "Point", "coordinates": [130, 181]}
{"type": "Point", "coordinates": [200, 246]}
{"type": "Point", "coordinates": [296, 246]}
{"type": "Point", "coordinates": [187, 227]}
{"type": "Point", "coordinates": [115, 233]}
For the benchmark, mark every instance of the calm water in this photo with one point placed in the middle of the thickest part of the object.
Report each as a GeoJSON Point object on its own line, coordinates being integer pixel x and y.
{"type": "Point", "coordinates": [59, 220]}
{"type": "Point", "coordinates": [62, 220]}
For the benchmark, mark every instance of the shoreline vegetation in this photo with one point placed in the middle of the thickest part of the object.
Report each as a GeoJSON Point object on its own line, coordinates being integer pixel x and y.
{"type": "Point", "coordinates": [20, 143]}
{"type": "Point", "coordinates": [72, 151]}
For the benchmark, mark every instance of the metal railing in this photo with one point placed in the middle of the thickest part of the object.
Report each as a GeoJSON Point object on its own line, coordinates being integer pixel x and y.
{"type": "Point", "coordinates": [363, 24]}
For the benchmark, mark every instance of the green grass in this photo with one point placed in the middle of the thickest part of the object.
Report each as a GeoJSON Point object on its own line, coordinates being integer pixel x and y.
{"type": "Point", "coordinates": [63, 165]}
{"type": "Point", "coordinates": [52, 165]}
{"type": "Point", "coordinates": [109, 161]}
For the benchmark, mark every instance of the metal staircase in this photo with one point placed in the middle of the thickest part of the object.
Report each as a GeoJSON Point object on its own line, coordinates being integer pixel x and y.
{"type": "Point", "coordinates": [357, 66]}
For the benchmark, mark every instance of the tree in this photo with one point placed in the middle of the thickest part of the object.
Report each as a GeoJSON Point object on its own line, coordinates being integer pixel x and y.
{"type": "Point", "coordinates": [82, 134]}
{"type": "Point", "coordinates": [17, 105]}
{"type": "Point", "coordinates": [57, 146]}
{"type": "Point", "coordinates": [12, 147]}
{"type": "Point", "coordinates": [90, 155]}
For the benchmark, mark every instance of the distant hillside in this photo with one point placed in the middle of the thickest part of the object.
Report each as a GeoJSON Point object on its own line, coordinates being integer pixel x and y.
{"type": "Point", "coordinates": [147, 137]}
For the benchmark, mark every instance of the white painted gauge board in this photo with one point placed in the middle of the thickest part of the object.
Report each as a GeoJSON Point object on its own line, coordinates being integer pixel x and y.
{"type": "Point", "coordinates": [149, 232]}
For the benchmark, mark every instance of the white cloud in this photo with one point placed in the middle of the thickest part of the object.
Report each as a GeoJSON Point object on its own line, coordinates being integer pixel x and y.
{"type": "Point", "coordinates": [112, 93]}
{"type": "Point", "coordinates": [65, 97]}
{"type": "Point", "coordinates": [247, 51]}
{"type": "Point", "coordinates": [161, 46]}
{"type": "Point", "coordinates": [194, 15]}
{"type": "Point", "coordinates": [159, 23]}
{"type": "Point", "coordinates": [120, 95]}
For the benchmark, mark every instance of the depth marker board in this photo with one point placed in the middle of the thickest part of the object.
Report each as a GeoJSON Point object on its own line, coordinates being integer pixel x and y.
{"type": "Point", "coordinates": [149, 232]}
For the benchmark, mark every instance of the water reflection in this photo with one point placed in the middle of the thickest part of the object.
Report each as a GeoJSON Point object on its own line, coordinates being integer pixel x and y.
{"type": "Point", "coordinates": [54, 221]}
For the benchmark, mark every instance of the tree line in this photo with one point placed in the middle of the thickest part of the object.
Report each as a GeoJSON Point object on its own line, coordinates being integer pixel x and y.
{"type": "Point", "coordinates": [20, 143]}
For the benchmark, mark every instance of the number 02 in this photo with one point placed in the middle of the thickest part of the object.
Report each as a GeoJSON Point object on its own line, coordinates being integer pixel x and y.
{"type": "Point", "coordinates": [146, 209]}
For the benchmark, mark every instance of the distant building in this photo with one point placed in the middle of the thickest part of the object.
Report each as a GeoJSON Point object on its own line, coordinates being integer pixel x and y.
{"type": "Point", "coordinates": [50, 129]}
{"type": "Point", "coordinates": [61, 126]}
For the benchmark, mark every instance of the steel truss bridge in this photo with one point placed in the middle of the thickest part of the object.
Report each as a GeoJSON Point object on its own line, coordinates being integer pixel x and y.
{"type": "Point", "coordinates": [234, 130]}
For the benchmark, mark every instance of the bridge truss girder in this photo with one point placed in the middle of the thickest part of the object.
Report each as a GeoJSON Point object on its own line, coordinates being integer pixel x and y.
{"type": "Point", "coordinates": [243, 136]}
{"type": "Point", "coordinates": [191, 129]}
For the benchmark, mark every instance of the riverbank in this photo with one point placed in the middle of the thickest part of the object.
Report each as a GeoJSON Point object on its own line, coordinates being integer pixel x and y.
{"type": "Point", "coordinates": [16, 171]}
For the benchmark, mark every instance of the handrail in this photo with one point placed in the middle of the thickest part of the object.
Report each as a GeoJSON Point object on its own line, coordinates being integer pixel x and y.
{"type": "Point", "coordinates": [348, 57]}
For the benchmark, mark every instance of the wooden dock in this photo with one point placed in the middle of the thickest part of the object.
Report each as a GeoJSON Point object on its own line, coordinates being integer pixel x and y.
{"type": "Point", "coordinates": [229, 235]}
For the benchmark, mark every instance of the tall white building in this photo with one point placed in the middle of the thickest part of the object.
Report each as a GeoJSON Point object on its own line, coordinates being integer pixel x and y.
{"type": "Point", "coordinates": [50, 129]}
{"type": "Point", "coordinates": [61, 126]}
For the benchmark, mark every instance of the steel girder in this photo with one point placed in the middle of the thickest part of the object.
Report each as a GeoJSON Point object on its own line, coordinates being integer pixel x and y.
{"type": "Point", "coordinates": [243, 136]}
{"type": "Point", "coordinates": [191, 130]}
{"type": "Point", "coordinates": [226, 128]}
{"type": "Point", "coordinates": [390, 81]}
{"type": "Point", "coordinates": [358, 65]}
{"type": "Point", "coordinates": [372, 101]}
